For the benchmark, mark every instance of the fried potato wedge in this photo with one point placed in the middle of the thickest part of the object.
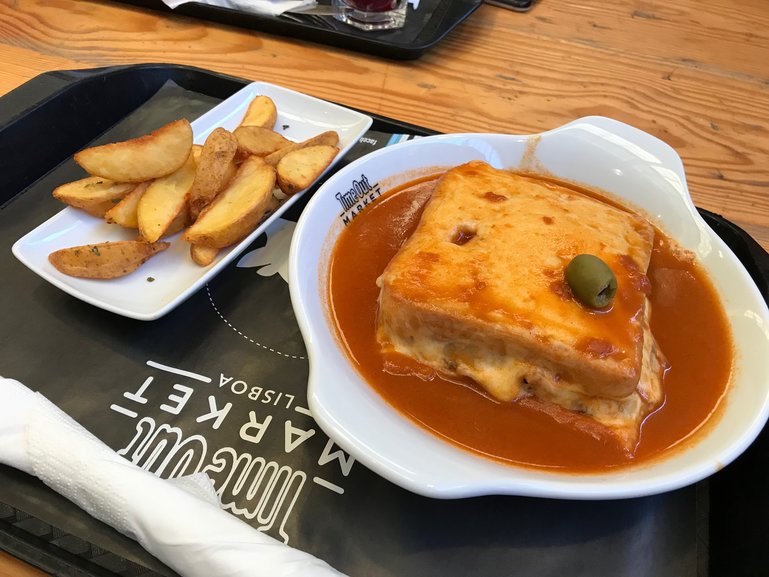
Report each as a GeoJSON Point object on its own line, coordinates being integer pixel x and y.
{"type": "Point", "coordinates": [299, 168]}
{"type": "Point", "coordinates": [94, 195]}
{"type": "Point", "coordinates": [151, 156]}
{"type": "Point", "coordinates": [163, 200]}
{"type": "Point", "coordinates": [179, 223]}
{"type": "Point", "coordinates": [329, 138]}
{"type": "Point", "coordinates": [238, 209]}
{"type": "Point", "coordinates": [203, 255]}
{"type": "Point", "coordinates": [258, 141]}
{"type": "Point", "coordinates": [105, 260]}
{"type": "Point", "coordinates": [261, 111]}
{"type": "Point", "coordinates": [124, 212]}
{"type": "Point", "coordinates": [216, 167]}
{"type": "Point", "coordinates": [197, 149]}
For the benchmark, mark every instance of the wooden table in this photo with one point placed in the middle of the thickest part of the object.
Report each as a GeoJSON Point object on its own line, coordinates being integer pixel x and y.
{"type": "Point", "coordinates": [695, 73]}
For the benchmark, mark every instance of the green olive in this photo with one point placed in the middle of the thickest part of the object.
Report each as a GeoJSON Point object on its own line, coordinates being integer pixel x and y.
{"type": "Point", "coordinates": [591, 280]}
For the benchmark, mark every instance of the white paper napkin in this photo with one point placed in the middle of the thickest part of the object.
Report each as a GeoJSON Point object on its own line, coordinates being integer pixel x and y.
{"type": "Point", "coordinates": [179, 522]}
{"type": "Point", "coordinates": [268, 7]}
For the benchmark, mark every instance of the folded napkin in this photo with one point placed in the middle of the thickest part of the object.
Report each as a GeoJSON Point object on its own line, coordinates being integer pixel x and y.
{"type": "Point", "coordinates": [179, 522]}
{"type": "Point", "coordinates": [268, 7]}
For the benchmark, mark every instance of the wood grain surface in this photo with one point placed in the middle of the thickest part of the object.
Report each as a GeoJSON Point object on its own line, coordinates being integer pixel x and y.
{"type": "Point", "coordinates": [695, 73]}
{"type": "Point", "coordinates": [12, 567]}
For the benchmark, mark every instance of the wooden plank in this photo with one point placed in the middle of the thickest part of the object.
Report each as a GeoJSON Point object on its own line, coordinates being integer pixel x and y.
{"type": "Point", "coordinates": [715, 35]}
{"type": "Point", "coordinates": [499, 72]}
{"type": "Point", "coordinates": [12, 567]}
{"type": "Point", "coordinates": [21, 64]}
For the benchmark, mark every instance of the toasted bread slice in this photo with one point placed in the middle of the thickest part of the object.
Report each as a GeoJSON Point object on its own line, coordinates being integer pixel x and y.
{"type": "Point", "coordinates": [478, 291]}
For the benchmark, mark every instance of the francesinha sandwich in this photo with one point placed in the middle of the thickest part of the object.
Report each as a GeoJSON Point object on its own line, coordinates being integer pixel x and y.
{"type": "Point", "coordinates": [491, 287]}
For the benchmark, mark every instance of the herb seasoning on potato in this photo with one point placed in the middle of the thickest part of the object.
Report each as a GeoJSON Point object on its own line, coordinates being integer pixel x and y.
{"type": "Point", "coordinates": [162, 183]}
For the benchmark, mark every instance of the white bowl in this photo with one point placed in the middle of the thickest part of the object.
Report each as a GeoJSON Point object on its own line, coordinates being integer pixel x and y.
{"type": "Point", "coordinates": [598, 152]}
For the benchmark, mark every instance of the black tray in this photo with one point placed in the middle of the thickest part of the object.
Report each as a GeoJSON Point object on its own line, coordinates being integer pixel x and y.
{"type": "Point", "coordinates": [424, 27]}
{"type": "Point", "coordinates": [50, 341]}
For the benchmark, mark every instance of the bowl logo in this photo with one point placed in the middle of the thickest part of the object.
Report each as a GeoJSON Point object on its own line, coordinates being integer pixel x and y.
{"type": "Point", "coordinates": [359, 196]}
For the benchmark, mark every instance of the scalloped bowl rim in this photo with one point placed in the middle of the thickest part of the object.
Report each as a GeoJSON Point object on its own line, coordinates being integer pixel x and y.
{"type": "Point", "coordinates": [598, 152]}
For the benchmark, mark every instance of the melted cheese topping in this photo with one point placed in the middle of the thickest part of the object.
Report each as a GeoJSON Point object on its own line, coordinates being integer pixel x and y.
{"type": "Point", "coordinates": [478, 291]}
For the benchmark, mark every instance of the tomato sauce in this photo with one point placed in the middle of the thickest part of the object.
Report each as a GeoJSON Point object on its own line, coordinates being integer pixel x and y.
{"type": "Point", "coordinates": [687, 320]}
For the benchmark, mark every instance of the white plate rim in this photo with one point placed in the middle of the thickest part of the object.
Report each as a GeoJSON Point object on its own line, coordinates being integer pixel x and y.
{"type": "Point", "coordinates": [227, 114]}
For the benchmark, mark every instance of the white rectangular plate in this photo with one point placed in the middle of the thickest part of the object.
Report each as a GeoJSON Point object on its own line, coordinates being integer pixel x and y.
{"type": "Point", "coordinates": [169, 278]}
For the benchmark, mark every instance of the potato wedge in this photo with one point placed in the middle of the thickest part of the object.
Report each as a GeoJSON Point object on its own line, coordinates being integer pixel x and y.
{"type": "Point", "coordinates": [163, 200]}
{"type": "Point", "coordinates": [197, 149]}
{"type": "Point", "coordinates": [105, 260]}
{"type": "Point", "coordinates": [260, 112]}
{"type": "Point", "coordinates": [330, 138]}
{"type": "Point", "coordinates": [238, 209]}
{"type": "Point", "coordinates": [94, 195]}
{"type": "Point", "coordinates": [258, 141]}
{"type": "Point", "coordinates": [181, 222]}
{"type": "Point", "coordinates": [124, 212]}
{"type": "Point", "coordinates": [202, 255]}
{"type": "Point", "coordinates": [216, 167]}
{"type": "Point", "coordinates": [151, 156]}
{"type": "Point", "coordinates": [299, 168]}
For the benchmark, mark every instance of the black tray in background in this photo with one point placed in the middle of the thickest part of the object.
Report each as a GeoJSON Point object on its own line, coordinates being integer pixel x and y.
{"type": "Point", "coordinates": [424, 27]}
{"type": "Point", "coordinates": [727, 510]}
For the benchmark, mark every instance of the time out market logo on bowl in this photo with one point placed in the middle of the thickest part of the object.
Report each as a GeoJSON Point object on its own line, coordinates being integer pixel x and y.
{"type": "Point", "coordinates": [360, 194]}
